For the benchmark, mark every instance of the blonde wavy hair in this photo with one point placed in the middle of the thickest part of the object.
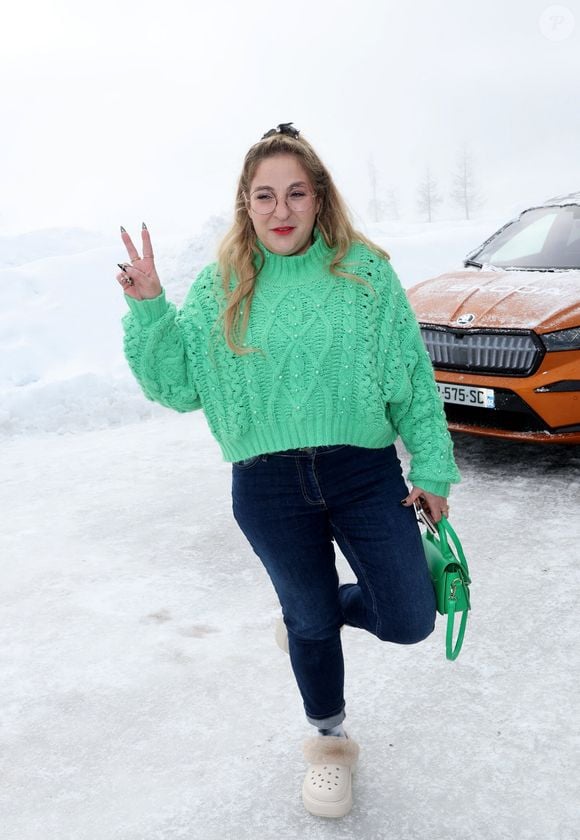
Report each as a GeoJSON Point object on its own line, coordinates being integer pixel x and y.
{"type": "Point", "coordinates": [238, 249]}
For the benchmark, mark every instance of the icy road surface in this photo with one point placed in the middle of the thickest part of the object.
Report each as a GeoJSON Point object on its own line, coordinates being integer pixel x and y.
{"type": "Point", "coordinates": [143, 696]}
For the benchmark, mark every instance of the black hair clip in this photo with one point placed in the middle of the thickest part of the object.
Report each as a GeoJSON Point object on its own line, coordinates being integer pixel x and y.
{"type": "Point", "coordinates": [282, 128]}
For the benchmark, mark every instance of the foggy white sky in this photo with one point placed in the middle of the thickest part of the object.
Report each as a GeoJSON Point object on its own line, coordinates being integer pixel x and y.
{"type": "Point", "coordinates": [118, 112]}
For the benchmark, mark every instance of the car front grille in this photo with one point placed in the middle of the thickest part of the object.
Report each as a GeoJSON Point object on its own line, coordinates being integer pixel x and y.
{"type": "Point", "coordinates": [487, 351]}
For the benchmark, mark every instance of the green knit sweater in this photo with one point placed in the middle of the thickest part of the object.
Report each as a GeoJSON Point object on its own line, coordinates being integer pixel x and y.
{"type": "Point", "coordinates": [339, 364]}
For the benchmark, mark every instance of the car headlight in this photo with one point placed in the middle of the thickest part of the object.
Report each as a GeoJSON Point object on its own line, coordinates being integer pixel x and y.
{"type": "Point", "coordinates": [562, 339]}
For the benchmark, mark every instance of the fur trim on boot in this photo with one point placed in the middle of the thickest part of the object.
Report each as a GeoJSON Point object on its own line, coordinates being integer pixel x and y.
{"type": "Point", "coordinates": [322, 749]}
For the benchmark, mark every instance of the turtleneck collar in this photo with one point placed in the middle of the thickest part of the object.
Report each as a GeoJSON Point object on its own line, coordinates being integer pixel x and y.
{"type": "Point", "coordinates": [295, 266]}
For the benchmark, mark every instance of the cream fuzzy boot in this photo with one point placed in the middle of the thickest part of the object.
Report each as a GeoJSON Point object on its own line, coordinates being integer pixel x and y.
{"type": "Point", "coordinates": [327, 788]}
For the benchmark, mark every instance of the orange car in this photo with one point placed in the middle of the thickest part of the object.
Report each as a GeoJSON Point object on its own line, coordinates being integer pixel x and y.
{"type": "Point", "coordinates": [504, 332]}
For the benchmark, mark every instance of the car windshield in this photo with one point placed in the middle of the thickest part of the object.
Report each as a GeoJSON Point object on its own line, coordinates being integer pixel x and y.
{"type": "Point", "coordinates": [542, 238]}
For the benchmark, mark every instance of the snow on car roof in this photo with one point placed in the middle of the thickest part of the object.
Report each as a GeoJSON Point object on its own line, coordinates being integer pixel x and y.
{"type": "Point", "coordinates": [570, 198]}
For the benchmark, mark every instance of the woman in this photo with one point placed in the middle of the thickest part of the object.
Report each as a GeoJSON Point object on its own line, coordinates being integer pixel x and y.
{"type": "Point", "coordinates": [302, 350]}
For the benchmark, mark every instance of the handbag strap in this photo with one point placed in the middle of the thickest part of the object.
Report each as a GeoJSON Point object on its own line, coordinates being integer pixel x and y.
{"type": "Point", "coordinates": [450, 651]}
{"type": "Point", "coordinates": [444, 528]}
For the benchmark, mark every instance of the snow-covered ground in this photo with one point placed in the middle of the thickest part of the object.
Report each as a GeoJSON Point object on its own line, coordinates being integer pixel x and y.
{"type": "Point", "coordinates": [143, 696]}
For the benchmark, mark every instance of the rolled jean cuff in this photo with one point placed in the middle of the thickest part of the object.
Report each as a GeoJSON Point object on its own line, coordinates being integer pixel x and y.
{"type": "Point", "coordinates": [328, 722]}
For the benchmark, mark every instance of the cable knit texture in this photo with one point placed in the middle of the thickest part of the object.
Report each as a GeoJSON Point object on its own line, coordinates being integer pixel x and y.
{"type": "Point", "coordinates": [339, 365]}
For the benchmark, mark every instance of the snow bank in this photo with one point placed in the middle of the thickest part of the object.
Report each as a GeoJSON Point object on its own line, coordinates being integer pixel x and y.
{"type": "Point", "coordinates": [61, 363]}
{"type": "Point", "coordinates": [49, 242]}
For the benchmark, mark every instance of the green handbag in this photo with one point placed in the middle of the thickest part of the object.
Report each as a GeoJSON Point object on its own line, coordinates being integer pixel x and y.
{"type": "Point", "coordinates": [450, 577]}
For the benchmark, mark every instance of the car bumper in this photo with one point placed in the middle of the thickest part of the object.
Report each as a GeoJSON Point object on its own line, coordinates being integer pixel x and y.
{"type": "Point", "coordinates": [531, 408]}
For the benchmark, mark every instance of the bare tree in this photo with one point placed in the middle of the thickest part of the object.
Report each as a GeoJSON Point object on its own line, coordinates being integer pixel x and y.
{"type": "Point", "coordinates": [376, 206]}
{"type": "Point", "coordinates": [464, 191]}
{"type": "Point", "coordinates": [392, 204]}
{"type": "Point", "coordinates": [428, 196]}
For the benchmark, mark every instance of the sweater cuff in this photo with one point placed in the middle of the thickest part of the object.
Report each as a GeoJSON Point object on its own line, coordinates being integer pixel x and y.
{"type": "Point", "coordinates": [439, 488]}
{"type": "Point", "coordinates": [148, 311]}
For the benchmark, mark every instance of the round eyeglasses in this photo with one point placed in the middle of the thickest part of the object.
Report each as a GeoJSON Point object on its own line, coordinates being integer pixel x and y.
{"type": "Point", "coordinates": [264, 201]}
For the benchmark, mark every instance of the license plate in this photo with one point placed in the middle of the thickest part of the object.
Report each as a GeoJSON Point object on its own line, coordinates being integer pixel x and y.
{"type": "Point", "coordinates": [466, 395]}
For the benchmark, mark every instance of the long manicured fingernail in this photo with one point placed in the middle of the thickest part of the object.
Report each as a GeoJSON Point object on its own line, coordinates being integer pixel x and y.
{"type": "Point", "coordinates": [143, 226]}
{"type": "Point", "coordinates": [123, 229]}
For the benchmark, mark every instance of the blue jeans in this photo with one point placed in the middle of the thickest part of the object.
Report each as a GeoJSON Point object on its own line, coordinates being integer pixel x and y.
{"type": "Point", "coordinates": [291, 505]}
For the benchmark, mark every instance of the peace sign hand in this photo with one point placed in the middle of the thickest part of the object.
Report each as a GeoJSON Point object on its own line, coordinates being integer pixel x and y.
{"type": "Point", "coordinates": [139, 277]}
